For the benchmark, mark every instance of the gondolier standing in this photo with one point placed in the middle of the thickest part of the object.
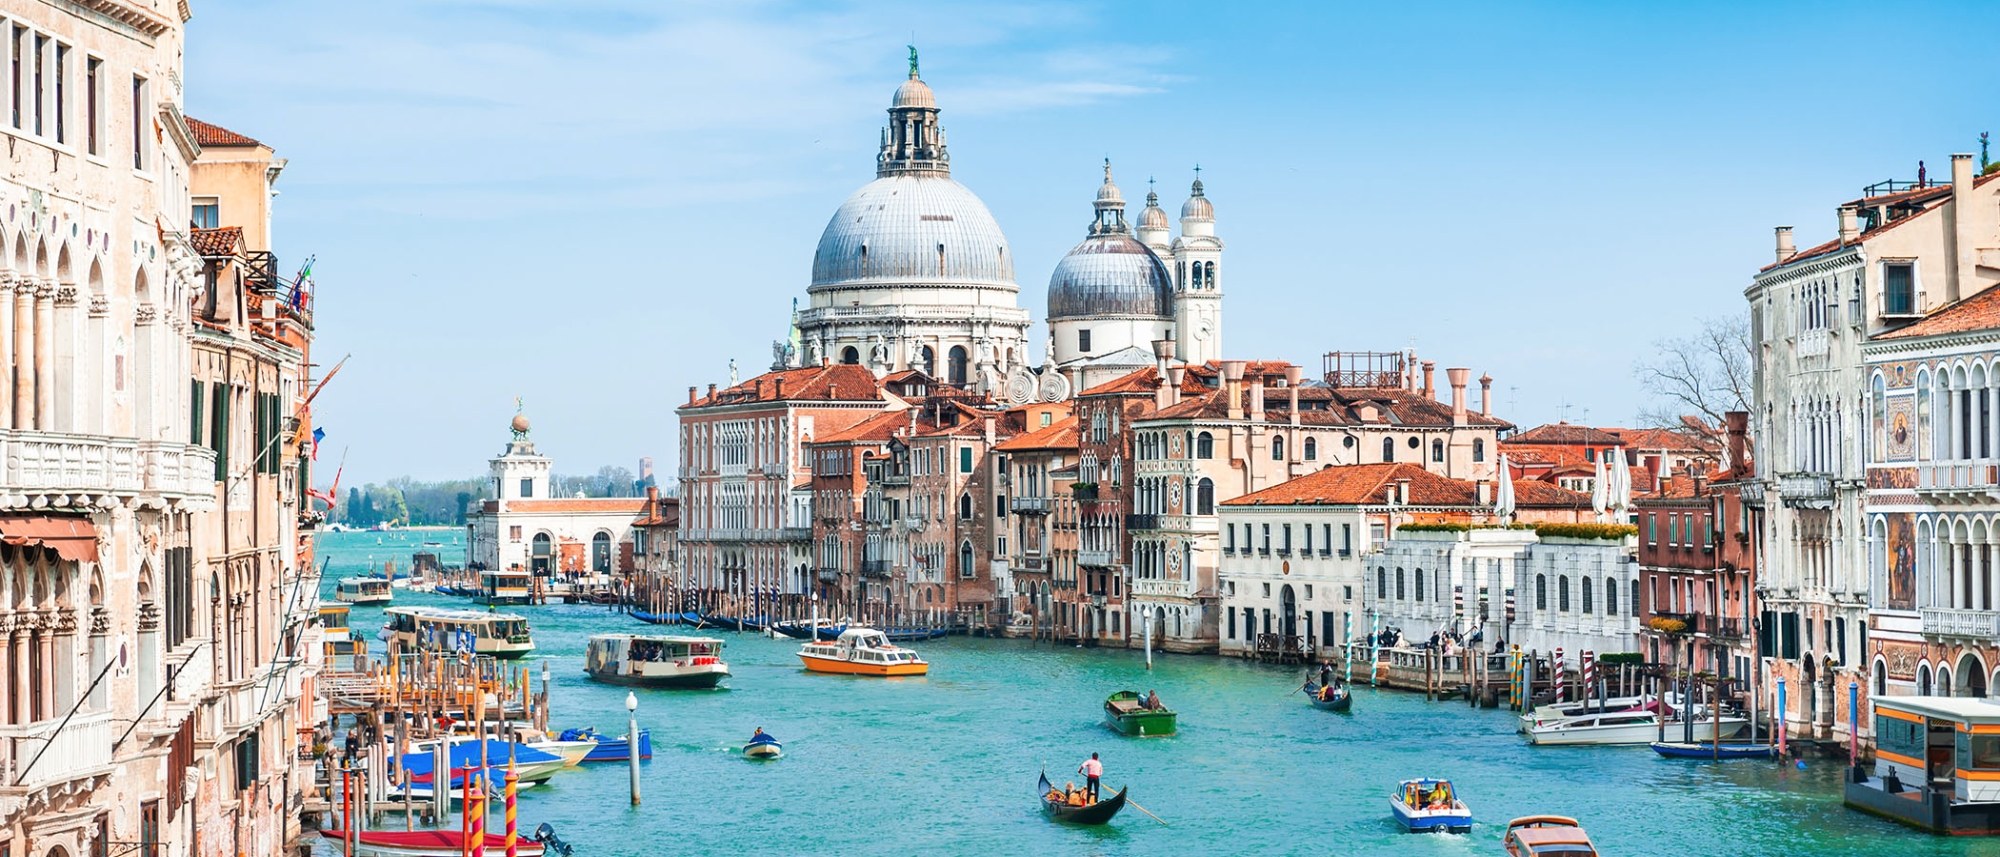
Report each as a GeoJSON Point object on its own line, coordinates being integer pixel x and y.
{"type": "Point", "coordinates": [1092, 770]}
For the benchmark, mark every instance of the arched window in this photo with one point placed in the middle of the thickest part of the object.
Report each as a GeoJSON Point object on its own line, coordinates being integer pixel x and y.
{"type": "Point", "coordinates": [1311, 449]}
{"type": "Point", "coordinates": [1204, 446]}
{"type": "Point", "coordinates": [600, 553]}
{"type": "Point", "coordinates": [955, 365]}
{"type": "Point", "coordinates": [1610, 597]}
{"type": "Point", "coordinates": [1586, 594]}
{"type": "Point", "coordinates": [1924, 680]}
{"type": "Point", "coordinates": [1208, 279]}
{"type": "Point", "coordinates": [1562, 593]}
{"type": "Point", "coordinates": [1388, 450]}
{"type": "Point", "coordinates": [1881, 679]}
{"type": "Point", "coordinates": [1478, 449]}
{"type": "Point", "coordinates": [929, 359]}
{"type": "Point", "coordinates": [850, 356]}
{"type": "Point", "coordinates": [1541, 592]}
{"type": "Point", "coordinates": [965, 559]}
{"type": "Point", "coordinates": [965, 507]}
{"type": "Point", "coordinates": [1437, 449]}
{"type": "Point", "coordinates": [1923, 415]}
{"type": "Point", "coordinates": [1204, 497]}
{"type": "Point", "coordinates": [1420, 584]}
{"type": "Point", "coordinates": [1277, 449]}
{"type": "Point", "coordinates": [1399, 585]}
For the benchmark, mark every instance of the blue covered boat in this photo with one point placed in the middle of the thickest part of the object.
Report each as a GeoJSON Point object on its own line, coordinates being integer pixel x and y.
{"type": "Point", "coordinates": [1429, 806]}
{"type": "Point", "coordinates": [1712, 750]}
{"type": "Point", "coordinates": [610, 749]}
{"type": "Point", "coordinates": [530, 764]}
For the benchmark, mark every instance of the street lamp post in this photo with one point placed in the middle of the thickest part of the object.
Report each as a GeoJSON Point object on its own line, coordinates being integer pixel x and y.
{"type": "Point", "coordinates": [632, 740]}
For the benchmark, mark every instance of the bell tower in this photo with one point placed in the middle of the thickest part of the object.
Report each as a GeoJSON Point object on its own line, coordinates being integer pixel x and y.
{"type": "Point", "coordinates": [1197, 293]}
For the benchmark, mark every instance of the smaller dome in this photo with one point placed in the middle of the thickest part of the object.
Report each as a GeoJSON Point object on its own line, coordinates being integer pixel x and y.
{"type": "Point", "coordinates": [1197, 207]}
{"type": "Point", "coordinates": [520, 424]}
{"type": "Point", "coordinates": [1110, 274]}
{"type": "Point", "coordinates": [914, 93]}
{"type": "Point", "coordinates": [1153, 217]}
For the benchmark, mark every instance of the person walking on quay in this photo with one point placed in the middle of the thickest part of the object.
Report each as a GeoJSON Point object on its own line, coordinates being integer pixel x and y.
{"type": "Point", "coordinates": [1092, 770]}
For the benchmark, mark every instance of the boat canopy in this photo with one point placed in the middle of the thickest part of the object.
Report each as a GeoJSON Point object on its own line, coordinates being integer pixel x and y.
{"type": "Point", "coordinates": [466, 755]}
{"type": "Point", "coordinates": [1967, 710]}
{"type": "Point", "coordinates": [868, 637]}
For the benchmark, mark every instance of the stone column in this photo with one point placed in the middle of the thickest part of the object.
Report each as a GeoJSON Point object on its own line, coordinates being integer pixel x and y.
{"type": "Point", "coordinates": [23, 376]}
{"type": "Point", "coordinates": [45, 356]}
{"type": "Point", "coordinates": [62, 650]}
{"type": "Point", "coordinates": [100, 654]}
{"type": "Point", "coordinates": [7, 285]}
{"type": "Point", "coordinates": [149, 676]}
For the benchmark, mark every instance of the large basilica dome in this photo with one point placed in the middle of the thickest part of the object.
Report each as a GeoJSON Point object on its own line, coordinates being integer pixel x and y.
{"type": "Point", "coordinates": [913, 272]}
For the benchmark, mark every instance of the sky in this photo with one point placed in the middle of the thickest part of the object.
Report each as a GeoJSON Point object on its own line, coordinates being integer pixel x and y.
{"type": "Point", "coordinates": [592, 206]}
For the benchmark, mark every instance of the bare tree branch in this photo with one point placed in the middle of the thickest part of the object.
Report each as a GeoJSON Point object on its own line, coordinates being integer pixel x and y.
{"type": "Point", "coordinates": [1706, 374]}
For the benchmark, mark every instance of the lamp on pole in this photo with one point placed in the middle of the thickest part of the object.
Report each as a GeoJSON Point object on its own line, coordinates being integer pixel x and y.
{"type": "Point", "coordinates": [632, 740]}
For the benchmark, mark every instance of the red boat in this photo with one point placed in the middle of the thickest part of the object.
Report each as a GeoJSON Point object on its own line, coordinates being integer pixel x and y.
{"type": "Point", "coordinates": [430, 843]}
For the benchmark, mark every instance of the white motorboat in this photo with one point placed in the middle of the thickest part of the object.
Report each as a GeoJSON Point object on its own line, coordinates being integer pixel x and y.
{"type": "Point", "coordinates": [1564, 710]}
{"type": "Point", "coordinates": [1640, 726]}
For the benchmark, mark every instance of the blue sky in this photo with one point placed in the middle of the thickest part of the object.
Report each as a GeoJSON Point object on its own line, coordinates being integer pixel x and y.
{"type": "Point", "coordinates": [594, 205]}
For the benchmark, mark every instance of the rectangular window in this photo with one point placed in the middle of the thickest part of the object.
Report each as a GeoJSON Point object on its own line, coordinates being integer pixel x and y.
{"type": "Point", "coordinates": [514, 532]}
{"type": "Point", "coordinates": [1346, 538]}
{"type": "Point", "coordinates": [1267, 539]}
{"type": "Point", "coordinates": [207, 213]}
{"type": "Point", "coordinates": [528, 487]}
{"type": "Point", "coordinates": [1229, 540]}
{"type": "Point", "coordinates": [149, 829]}
{"type": "Point", "coordinates": [1286, 542]}
{"type": "Point", "coordinates": [14, 49]}
{"type": "Point", "coordinates": [1309, 541]}
{"type": "Point", "coordinates": [1232, 622]}
{"type": "Point", "coordinates": [92, 97]}
{"type": "Point", "coordinates": [218, 428]}
{"type": "Point", "coordinates": [965, 459]}
{"type": "Point", "coordinates": [1083, 341]}
{"type": "Point", "coordinates": [40, 61]}
{"type": "Point", "coordinates": [62, 92]}
{"type": "Point", "coordinates": [138, 123]}
{"type": "Point", "coordinates": [1899, 291]}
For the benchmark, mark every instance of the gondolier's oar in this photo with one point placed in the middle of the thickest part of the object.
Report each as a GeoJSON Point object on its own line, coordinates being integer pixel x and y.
{"type": "Point", "coordinates": [1149, 814]}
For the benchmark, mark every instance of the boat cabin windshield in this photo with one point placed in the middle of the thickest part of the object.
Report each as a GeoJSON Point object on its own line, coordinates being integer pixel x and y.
{"type": "Point", "coordinates": [508, 628]}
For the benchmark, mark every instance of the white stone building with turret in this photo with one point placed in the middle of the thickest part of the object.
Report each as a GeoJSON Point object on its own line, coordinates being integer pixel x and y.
{"type": "Point", "coordinates": [524, 528]}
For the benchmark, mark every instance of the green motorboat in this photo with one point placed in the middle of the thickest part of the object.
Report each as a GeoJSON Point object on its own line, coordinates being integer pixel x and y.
{"type": "Point", "coordinates": [1126, 711]}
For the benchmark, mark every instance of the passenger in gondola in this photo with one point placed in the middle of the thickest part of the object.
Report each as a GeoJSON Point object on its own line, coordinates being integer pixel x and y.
{"type": "Point", "coordinates": [1153, 700]}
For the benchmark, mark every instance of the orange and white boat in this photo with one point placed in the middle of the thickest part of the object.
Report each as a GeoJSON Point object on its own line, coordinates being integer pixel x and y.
{"type": "Point", "coordinates": [862, 651]}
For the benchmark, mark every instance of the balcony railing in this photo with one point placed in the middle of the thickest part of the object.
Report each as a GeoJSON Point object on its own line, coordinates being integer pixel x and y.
{"type": "Point", "coordinates": [1947, 622]}
{"type": "Point", "coordinates": [1031, 505]}
{"type": "Point", "coordinates": [1727, 629]}
{"type": "Point", "coordinates": [1806, 490]}
{"type": "Point", "coordinates": [1098, 559]}
{"type": "Point", "coordinates": [896, 478]}
{"type": "Point", "coordinates": [1162, 588]}
{"type": "Point", "coordinates": [1980, 475]}
{"type": "Point", "coordinates": [829, 575]}
{"type": "Point", "coordinates": [1690, 623]}
{"type": "Point", "coordinates": [795, 534]}
{"type": "Point", "coordinates": [875, 567]}
{"type": "Point", "coordinates": [914, 524]}
{"type": "Point", "coordinates": [81, 749]}
{"type": "Point", "coordinates": [33, 462]}
{"type": "Point", "coordinates": [1812, 343]}
{"type": "Point", "coordinates": [1142, 522]}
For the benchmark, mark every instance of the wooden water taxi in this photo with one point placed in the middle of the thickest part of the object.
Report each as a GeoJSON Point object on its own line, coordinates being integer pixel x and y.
{"type": "Point", "coordinates": [1547, 836]}
{"type": "Point", "coordinates": [1641, 726]}
{"type": "Point", "coordinates": [862, 651]}
{"type": "Point", "coordinates": [1937, 765]}
{"type": "Point", "coordinates": [1429, 806]}
{"type": "Point", "coordinates": [655, 661]}
{"type": "Point", "coordinates": [1073, 808]}
{"type": "Point", "coordinates": [1126, 712]}
{"type": "Point", "coordinates": [501, 635]}
{"type": "Point", "coordinates": [363, 590]}
{"type": "Point", "coordinates": [505, 587]}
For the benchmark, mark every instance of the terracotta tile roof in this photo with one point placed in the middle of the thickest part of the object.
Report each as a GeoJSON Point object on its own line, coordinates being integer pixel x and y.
{"type": "Point", "coordinates": [1933, 196]}
{"type": "Point", "coordinates": [216, 135]}
{"type": "Point", "coordinates": [577, 505]}
{"type": "Point", "coordinates": [1059, 435]}
{"type": "Point", "coordinates": [1143, 381]}
{"type": "Point", "coordinates": [877, 428]}
{"type": "Point", "coordinates": [1563, 433]}
{"type": "Point", "coordinates": [1362, 484]}
{"type": "Point", "coordinates": [1979, 312]}
{"type": "Point", "coordinates": [225, 241]}
{"type": "Point", "coordinates": [1541, 495]}
{"type": "Point", "coordinates": [837, 382]}
{"type": "Point", "coordinates": [1672, 440]}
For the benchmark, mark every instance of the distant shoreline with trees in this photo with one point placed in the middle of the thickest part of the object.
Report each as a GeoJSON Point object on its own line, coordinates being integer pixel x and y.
{"type": "Point", "coordinates": [407, 502]}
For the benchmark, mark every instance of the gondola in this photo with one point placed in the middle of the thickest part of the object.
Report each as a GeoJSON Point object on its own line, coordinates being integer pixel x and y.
{"type": "Point", "coordinates": [1342, 700]}
{"type": "Point", "coordinates": [1712, 750]}
{"type": "Point", "coordinates": [1096, 813]}
{"type": "Point", "coordinates": [799, 631]}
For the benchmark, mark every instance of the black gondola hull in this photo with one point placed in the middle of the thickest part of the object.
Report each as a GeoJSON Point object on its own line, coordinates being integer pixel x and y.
{"type": "Point", "coordinates": [1100, 812]}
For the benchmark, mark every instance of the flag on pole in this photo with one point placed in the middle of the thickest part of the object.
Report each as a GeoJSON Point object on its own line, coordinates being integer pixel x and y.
{"type": "Point", "coordinates": [301, 283]}
{"type": "Point", "coordinates": [319, 434]}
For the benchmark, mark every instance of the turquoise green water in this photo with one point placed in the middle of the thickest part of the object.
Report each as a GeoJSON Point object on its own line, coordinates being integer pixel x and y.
{"type": "Point", "coordinates": [946, 764]}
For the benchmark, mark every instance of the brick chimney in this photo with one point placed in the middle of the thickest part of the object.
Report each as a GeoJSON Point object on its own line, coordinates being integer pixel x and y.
{"type": "Point", "coordinates": [779, 383]}
{"type": "Point", "coordinates": [1458, 377]}
{"type": "Point", "coordinates": [711, 391]}
{"type": "Point", "coordinates": [1176, 376]}
{"type": "Point", "coordinates": [1294, 375]}
{"type": "Point", "coordinates": [1429, 392]}
{"type": "Point", "coordinates": [1232, 386]}
{"type": "Point", "coordinates": [1737, 427]}
{"type": "Point", "coordinates": [1964, 255]}
{"type": "Point", "coordinates": [691, 395]}
{"type": "Point", "coordinates": [1785, 248]}
{"type": "Point", "coordinates": [1849, 229]}
{"type": "Point", "coordinates": [1403, 491]}
{"type": "Point", "coordinates": [1486, 395]}
{"type": "Point", "coordinates": [1163, 353]}
{"type": "Point", "coordinates": [1257, 398]}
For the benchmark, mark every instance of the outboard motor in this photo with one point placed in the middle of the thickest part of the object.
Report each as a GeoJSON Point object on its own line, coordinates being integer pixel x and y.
{"type": "Point", "coordinates": [551, 844]}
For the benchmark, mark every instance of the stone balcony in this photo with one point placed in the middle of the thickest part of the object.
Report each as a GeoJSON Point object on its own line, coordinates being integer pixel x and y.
{"type": "Point", "coordinates": [82, 749]}
{"type": "Point", "coordinates": [1806, 490]}
{"type": "Point", "coordinates": [1031, 505]}
{"type": "Point", "coordinates": [1097, 559]}
{"type": "Point", "coordinates": [1162, 589]}
{"type": "Point", "coordinates": [85, 470]}
{"type": "Point", "coordinates": [1972, 477]}
{"type": "Point", "coordinates": [1948, 622]}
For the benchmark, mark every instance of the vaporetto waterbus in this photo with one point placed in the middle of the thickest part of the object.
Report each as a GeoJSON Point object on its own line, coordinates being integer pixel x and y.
{"type": "Point", "coordinates": [501, 635]}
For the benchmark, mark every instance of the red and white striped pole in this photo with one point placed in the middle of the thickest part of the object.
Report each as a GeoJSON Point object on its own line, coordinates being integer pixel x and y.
{"type": "Point", "coordinates": [1589, 674]}
{"type": "Point", "coordinates": [1561, 688]}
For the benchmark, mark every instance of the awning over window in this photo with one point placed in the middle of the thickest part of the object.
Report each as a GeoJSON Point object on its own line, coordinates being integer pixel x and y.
{"type": "Point", "coordinates": [73, 539]}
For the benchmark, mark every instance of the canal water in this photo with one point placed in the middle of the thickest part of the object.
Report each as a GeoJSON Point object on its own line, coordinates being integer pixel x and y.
{"type": "Point", "coordinates": [946, 764]}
